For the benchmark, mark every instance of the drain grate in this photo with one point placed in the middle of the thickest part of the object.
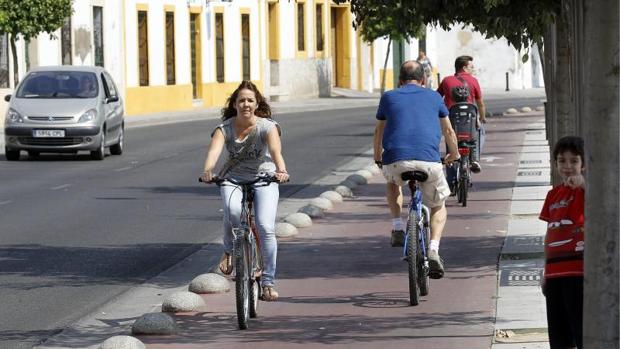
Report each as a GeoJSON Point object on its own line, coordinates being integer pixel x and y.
{"type": "Point", "coordinates": [521, 277]}
{"type": "Point", "coordinates": [529, 173]}
{"type": "Point", "coordinates": [530, 162]}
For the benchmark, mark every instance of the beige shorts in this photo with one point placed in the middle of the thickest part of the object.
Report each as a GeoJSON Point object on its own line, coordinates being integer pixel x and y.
{"type": "Point", "coordinates": [435, 189]}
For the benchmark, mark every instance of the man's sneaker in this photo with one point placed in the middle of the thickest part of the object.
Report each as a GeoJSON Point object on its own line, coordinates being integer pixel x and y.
{"type": "Point", "coordinates": [398, 238]}
{"type": "Point", "coordinates": [475, 167]}
{"type": "Point", "coordinates": [435, 264]}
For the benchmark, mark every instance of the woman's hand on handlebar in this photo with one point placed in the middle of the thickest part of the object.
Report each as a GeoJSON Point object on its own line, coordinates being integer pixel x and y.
{"type": "Point", "coordinates": [282, 176]}
{"type": "Point", "coordinates": [207, 177]}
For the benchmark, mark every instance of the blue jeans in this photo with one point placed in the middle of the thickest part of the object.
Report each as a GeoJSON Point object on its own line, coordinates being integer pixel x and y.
{"type": "Point", "coordinates": [265, 208]}
{"type": "Point", "coordinates": [474, 155]}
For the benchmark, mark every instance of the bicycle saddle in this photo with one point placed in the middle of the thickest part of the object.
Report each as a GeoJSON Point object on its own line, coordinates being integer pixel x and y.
{"type": "Point", "coordinates": [419, 176]}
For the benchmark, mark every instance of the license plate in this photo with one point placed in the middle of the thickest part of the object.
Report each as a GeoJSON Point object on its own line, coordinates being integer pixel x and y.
{"type": "Point", "coordinates": [48, 133]}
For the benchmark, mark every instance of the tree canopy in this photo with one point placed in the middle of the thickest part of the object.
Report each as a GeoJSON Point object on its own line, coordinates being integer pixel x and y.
{"type": "Point", "coordinates": [29, 18]}
{"type": "Point", "coordinates": [521, 22]}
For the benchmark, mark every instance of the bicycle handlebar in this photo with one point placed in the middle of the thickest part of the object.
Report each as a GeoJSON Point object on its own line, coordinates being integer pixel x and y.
{"type": "Point", "coordinates": [265, 179]}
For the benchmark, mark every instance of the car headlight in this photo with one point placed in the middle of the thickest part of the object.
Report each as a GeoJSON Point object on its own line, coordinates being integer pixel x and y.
{"type": "Point", "coordinates": [12, 116]}
{"type": "Point", "coordinates": [88, 116]}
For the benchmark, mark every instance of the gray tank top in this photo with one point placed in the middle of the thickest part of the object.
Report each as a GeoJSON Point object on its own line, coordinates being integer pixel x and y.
{"type": "Point", "coordinates": [257, 159]}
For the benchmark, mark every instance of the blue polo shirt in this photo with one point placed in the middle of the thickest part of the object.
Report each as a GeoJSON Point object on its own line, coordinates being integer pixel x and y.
{"type": "Point", "coordinates": [412, 128]}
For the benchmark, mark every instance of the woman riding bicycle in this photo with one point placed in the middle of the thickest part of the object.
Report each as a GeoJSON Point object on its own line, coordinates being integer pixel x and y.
{"type": "Point", "coordinates": [252, 142]}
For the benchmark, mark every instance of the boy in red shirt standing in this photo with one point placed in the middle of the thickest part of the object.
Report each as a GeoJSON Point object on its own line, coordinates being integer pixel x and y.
{"type": "Point", "coordinates": [564, 243]}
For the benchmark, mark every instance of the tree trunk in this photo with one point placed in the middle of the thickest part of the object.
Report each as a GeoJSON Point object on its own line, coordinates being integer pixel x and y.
{"type": "Point", "coordinates": [15, 62]}
{"type": "Point", "coordinates": [387, 55]}
{"type": "Point", "coordinates": [601, 126]}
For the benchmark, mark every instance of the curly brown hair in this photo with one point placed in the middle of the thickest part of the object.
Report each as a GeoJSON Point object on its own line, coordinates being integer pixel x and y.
{"type": "Point", "coordinates": [263, 110]}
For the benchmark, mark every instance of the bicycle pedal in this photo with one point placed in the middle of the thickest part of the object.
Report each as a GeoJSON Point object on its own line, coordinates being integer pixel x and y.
{"type": "Point", "coordinates": [405, 259]}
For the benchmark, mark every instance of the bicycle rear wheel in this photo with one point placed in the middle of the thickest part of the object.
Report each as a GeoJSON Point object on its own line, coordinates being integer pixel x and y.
{"type": "Point", "coordinates": [464, 182]}
{"type": "Point", "coordinates": [412, 258]}
{"type": "Point", "coordinates": [423, 280]}
{"type": "Point", "coordinates": [242, 282]}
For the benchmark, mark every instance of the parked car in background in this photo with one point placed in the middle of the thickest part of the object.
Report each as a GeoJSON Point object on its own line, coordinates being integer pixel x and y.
{"type": "Point", "coordinates": [62, 109]}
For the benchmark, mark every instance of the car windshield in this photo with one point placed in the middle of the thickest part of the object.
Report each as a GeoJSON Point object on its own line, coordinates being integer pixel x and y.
{"type": "Point", "coordinates": [59, 84]}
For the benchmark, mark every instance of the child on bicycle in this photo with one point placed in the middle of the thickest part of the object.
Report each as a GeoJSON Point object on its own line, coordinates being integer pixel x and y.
{"type": "Point", "coordinates": [252, 142]}
{"type": "Point", "coordinates": [564, 243]}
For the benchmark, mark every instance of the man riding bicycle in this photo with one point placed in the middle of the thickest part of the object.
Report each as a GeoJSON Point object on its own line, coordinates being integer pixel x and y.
{"type": "Point", "coordinates": [464, 67]}
{"type": "Point", "coordinates": [407, 137]}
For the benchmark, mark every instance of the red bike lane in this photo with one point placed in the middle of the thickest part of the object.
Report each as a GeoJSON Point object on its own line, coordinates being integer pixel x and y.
{"type": "Point", "coordinates": [341, 284]}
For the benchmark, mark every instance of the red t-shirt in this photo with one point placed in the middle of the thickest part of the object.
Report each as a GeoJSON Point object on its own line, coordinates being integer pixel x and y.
{"type": "Point", "coordinates": [445, 88]}
{"type": "Point", "coordinates": [564, 242]}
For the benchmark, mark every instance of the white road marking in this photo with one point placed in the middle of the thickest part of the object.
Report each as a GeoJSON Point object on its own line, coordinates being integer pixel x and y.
{"type": "Point", "coordinates": [63, 186]}
{"type": "Point", "coordinates": [123, 169]}
{"type": "Point", "coordinates": [5, 202]}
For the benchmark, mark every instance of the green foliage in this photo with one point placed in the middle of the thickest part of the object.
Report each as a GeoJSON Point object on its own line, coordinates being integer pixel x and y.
{"type": "Point", "coordinates": [31, 17]}
{"type": "Point", "coordinates": [394, 19]}
{"type": "Point", "coordinates": [521, 22]}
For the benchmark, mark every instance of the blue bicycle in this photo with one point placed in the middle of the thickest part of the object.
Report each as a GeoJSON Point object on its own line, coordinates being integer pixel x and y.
{"type": "Point", "coordinates": [417, 237]}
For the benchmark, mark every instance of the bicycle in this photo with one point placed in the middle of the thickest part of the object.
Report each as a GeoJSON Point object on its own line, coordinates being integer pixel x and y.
{"type": "Point", "coordinates": [463, 119]}
{"type": "Point", "coordinates": [247, 258]}
{"type": "Point", "coordinates": [417, 237]}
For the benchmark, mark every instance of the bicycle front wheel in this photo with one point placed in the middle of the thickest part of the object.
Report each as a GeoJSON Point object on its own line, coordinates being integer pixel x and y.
{"type": "Point", "coordinates": [242, 282]}
{"type": "Point", "coordinates": [253, 280]}
{"type": "Point", "coordinates": [412, 258]}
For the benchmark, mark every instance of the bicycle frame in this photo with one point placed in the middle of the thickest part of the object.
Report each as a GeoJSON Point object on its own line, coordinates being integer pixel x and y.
{"type": "Point", "coordinates": [247, 231]}
{"type": "Point", "coordinates": [416, 204]}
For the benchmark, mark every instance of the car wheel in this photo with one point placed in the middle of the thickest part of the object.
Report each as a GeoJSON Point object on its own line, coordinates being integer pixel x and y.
{"type": "Point", "coordinates": [117, 149]}
{"type": "Point", "coordinates": [99, 154]}
{"type": "Point", "coordinates": [11, 155]}
{"type": "Point", "coordinates": [33, 153]}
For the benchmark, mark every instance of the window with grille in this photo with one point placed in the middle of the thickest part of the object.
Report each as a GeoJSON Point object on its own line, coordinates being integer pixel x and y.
{"type": "Point", "coordinates": [245, 45]}
{"type": "Point", "coordinates": [319, 27]}
{"type": "Point", "coordinates": [143, 48]}
{"type": "Point", "coordinates": [98, 34]}
{"type": "Point", "coordinates": [65, 42]}
{"type": "Point", "coordinates": [4, 61]}
{"type": "Point", "coordinates": [219, 46]}
{"type": "Point", "coordinates": [170, 57]}
{"type": "Point", "coordinates": [301, 44]}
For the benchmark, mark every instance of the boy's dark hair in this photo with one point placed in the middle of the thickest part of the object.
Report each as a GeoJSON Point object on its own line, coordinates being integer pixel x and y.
{"type": "Point", "coordinates": [411, 70]}
{"type": "Point", "coordinates": [461, 62]}
{"type": "Point", "coordinates": [574, 144]}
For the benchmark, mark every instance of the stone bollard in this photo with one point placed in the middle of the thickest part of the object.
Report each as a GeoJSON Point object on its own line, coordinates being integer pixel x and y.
{"type": "Point", "coordinates": [364, 173]}
{"type": "Point", "coordinates": [322, 203]}
{"type": "Point", "coordinates": [374, 169]}
{"type": "Point", "coordinates": [122, 342]}
{"type": "Point", "coordinates": [312, 211]}
{"type": "Point", "coordinates": [209, 283]}
{"type": "Point", "coordinates": [349, 184]}
{"type": "Point", "coordinates": [332, 196]}
{"type": "Point", "coordinates": [343, 190]}
{"type": "Point", "coordinates": [526, 109]}
{"type": "Point", "coordinates": [540, 108]}
{"type": "Point", "coordinates": [182, 302]}
{"type": "Point", "coordinates": [154, 324]}
{"type": "Point", "coordinates": [284, 230]}
{"type": "Point", "coordinates": [512, 111]}
{"type": "Point", "coordinates": [299, 220]}
{"type": "Point", "coordinates": [357, 178]}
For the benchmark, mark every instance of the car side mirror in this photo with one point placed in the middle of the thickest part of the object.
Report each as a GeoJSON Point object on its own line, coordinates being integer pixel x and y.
{"type": "Point", "coordinates": [111, 99]}
{"type": "Point", "coordinates": [7, 98]}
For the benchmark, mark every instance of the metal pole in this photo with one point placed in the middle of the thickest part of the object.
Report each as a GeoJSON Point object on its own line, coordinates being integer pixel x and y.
{"type": "Point", "coordinates": [507, 83]}
{"type": "Point", "coordinates": [438, 79]}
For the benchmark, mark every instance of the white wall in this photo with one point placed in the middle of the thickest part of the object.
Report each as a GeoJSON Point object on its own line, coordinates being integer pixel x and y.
{"type": "Point", "coordinates": [492, 57]}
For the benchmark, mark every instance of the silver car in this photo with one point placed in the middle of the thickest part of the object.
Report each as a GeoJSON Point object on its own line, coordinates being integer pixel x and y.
{"type": "Point", "coordinates": [64, 109]}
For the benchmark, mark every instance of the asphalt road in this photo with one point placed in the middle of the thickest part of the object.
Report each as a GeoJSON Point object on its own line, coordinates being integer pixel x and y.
{"type": "Point", "coordinates": [74, 233]}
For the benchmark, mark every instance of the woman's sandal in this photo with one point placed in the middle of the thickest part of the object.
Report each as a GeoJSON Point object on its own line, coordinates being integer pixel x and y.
{"type": "Point", "coordinates": [269, 294]}
{"type": "Point", "coordinates": [226, 266]}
